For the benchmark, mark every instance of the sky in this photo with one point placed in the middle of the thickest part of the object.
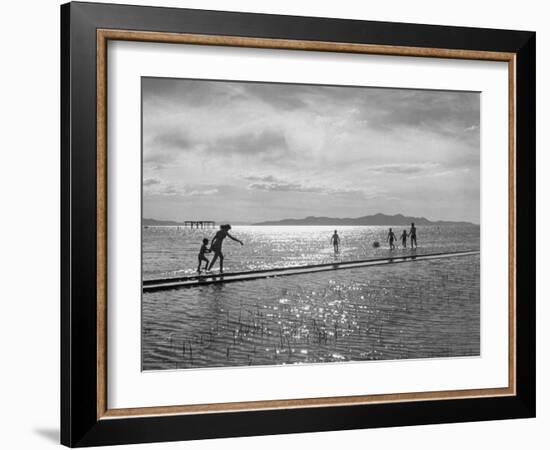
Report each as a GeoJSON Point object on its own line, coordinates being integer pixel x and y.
{"type": "Point", "coordinates": [245, 152]}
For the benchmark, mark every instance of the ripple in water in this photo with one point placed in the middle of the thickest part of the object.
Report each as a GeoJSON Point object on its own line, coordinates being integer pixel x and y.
{"type": "Point", "coordinates": [426, 309]}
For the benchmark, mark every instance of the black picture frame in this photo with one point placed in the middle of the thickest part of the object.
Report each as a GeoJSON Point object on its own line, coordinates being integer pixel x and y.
{"type": "Point", "coordinates": [80, 425]}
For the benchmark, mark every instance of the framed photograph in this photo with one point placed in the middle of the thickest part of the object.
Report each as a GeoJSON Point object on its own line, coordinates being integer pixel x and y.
{"type": "Point", "coordinates": [276, 224]}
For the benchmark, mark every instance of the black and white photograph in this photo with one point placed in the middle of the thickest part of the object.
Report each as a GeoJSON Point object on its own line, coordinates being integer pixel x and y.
{"type": "Point", "coordinates": [275, 225]}
{"type": "Point", "coordinates": [304, 224]}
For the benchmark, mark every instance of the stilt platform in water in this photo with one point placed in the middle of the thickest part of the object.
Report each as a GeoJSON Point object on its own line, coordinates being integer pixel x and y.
{"type": "Point", "coordinates": [216, 278]}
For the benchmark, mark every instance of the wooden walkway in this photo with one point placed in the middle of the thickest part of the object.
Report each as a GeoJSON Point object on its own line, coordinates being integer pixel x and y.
{"type": "Point", "coordinates": [214, 278]}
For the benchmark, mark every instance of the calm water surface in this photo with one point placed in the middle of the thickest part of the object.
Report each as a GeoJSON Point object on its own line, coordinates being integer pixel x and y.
{"type": "Point", "coordinates": [423, 309]}
{"type": "Point", "coordinates": [172, 251]}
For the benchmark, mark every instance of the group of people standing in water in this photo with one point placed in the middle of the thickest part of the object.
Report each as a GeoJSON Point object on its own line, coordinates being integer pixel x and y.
{"type": "Point", "coordinates": [391, 238]}
{"type": "Point", "coordinates": [412, 234]}
{"type": "Point", "coordinates": [223, 232]}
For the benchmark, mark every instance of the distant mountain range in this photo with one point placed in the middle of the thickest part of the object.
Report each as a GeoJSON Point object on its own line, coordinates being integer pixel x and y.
{"type": "Point", "coordinates": [376, 219]}
{"type": "Point", "coordinates": [155, 222]}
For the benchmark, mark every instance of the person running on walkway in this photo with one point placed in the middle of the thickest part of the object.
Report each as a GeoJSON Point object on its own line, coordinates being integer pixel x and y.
{"type": "Point", "coordinates": [412, 234]}
{"type": "Point", "coordinates": [404, 239]}
{"type": "Point", "coordinates": [391, 237]}
{"type": "Point", "coordinates": [335, 241]}
{"type": "Point", "coordinates": [201, 256]}
{"type": "Point", "coordinates": [216, 246]}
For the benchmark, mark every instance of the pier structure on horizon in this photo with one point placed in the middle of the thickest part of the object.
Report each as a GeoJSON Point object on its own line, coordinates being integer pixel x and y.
{"type": "Point", "coordinates": [199, 223]}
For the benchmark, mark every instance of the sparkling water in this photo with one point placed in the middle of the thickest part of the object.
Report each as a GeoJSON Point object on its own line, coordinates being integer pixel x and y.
{"type": "Point", "coordinates": [421, 309]}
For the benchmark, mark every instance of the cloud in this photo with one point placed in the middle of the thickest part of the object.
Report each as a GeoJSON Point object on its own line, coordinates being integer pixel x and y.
{"type": "Point", "coordinates": [172, 140]}
{"type": "Point", "coordinates": [154, 186]}
{"type": "Point", "coordinates": [440, 111]}
{"type": "Point", "coordinates": [262, 178]}
{"type": "Point", "coordinates": [276, 96]}
{"type": "Point", "coordinates": [151, 181]}
{"type": "Point", "coordinates": [274, 184]}
{"type": "Point", "coordinates": [405, 169]}
{"type": "Point", "coordinates": [271, 142]}
{"type": "Point", "coordinates": [165, 147]}
{"type": "Point", "coordinates": [283, 187]}
{"type": "Point", "coordinates": [335, 146]}
{"type": "Point", "coordinates": [169, 92]}
{"type": "Point", "coordinates": [168, 148]}
{"type": "Point", "coordinates": [195, 192]}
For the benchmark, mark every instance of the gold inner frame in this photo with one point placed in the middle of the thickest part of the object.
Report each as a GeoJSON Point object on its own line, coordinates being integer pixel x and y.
{"type": "Point", "coordinates": [104, 35]}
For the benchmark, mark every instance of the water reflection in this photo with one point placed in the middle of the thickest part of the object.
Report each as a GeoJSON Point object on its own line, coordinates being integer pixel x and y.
{"type": "Point", "coordinates": [419, 310]}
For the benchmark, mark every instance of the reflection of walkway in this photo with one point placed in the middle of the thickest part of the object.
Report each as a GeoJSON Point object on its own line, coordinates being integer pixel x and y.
{"type": "Point", "coordinates": [192, 281]}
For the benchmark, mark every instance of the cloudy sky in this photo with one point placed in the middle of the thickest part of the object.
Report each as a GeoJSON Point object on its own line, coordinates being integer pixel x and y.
{"type": "Point", "coordinates": [246, 152]}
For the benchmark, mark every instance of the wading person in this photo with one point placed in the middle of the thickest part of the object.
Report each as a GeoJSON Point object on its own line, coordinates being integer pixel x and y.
{"type": "Point", "coordinates": [391, 238]}
{"type": "Point", "coordinates": [216, 246]}
{"type": "Point", "coordinates": [335, 241]}
{"type": "Point", "coordinates": [412, 234]}
{"type": "Point", "coordinates": [404, 239]}
{"type": "Point", "coordinates": [201, 256]}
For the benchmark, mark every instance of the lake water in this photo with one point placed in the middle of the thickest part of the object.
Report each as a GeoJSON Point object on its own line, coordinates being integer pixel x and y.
{"type": "Point", "coordinates": [421, 309]}
{"type": "Point", "coordinates": [172, 251]}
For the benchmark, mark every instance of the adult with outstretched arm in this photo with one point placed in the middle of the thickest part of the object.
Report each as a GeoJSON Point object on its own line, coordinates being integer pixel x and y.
{"type": "Point", "coordinates": [216, 246]}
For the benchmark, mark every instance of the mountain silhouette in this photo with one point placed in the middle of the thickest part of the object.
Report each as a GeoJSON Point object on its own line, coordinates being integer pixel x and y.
{"type": "Point", "coordinates": [376, 219]}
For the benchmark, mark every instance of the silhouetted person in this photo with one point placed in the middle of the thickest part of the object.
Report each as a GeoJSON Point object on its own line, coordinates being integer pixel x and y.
{"type": "Point", "coordinates": [404, 238]}
{"type": "Point", "coordinates": [412, 234]}
{"type": "Point", "coordinates": [391, 237]}
{"type": "Point", "coordinates": [335, 241]}
{"type": "Point", "coordinates": [201, 256]}
{"type": "Point", "coordinates": [216, 246]}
